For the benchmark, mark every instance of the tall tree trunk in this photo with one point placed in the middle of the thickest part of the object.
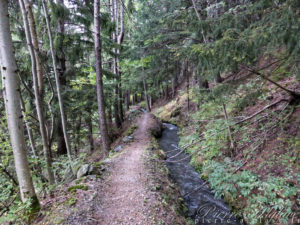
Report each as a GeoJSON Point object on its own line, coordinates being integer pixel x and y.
{"type": "Point", "coordinates": [145, 92]}
{"type": "Point", "coordinates": [62, 148]}
{"type": "Point", "coordinates": [113, 12]}
{"type": "Point", "coordinates": [119, 41]}
{"type": "Point", "coordinates": [36, 48]}
{"type": "Point", "coordinates": [11, 94]}
{"type": "Point", "coordinates": [58, 88]}
{"type": "Point", "coordinates": [100, 99]}
{"type": "Point", "coordinates": [38, 101]}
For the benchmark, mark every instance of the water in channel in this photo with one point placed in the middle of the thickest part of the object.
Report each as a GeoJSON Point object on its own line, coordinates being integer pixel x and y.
{"type": "Point", "coordinates": [202, 206]}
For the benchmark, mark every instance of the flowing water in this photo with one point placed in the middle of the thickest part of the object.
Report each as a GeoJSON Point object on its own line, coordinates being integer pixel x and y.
{"type": "Point", "coordinates": [203, 207]}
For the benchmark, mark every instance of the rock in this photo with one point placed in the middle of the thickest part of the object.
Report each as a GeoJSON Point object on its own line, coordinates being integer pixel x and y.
{"type": "Point", "coordinates": [117, 149]}
{"type": "Point", "coordinates": [155, 127]}
{"type": "Point", "coordinates": [69, 175]}
{"type": "Point", "coordinates": [84, 170]}
{"type": "Point", "coordinates": [95, 170]}
{"type": "Point", "coordinates": [127, 139]}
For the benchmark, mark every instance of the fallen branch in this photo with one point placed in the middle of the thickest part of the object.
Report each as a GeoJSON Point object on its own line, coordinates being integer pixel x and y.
{"type": "Point", "coordinates": [292, 93]}
{"type": "Point", "coordinates": [260, 111]}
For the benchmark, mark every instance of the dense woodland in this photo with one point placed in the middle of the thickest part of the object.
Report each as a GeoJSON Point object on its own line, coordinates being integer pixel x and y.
{"type": "Point", "coordinates": [226, 72]}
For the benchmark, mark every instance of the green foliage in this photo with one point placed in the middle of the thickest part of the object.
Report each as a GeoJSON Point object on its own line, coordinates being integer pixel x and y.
{"type": "Point", "coordinates": [263, 195]}
{"type": "Point", "coordinates": [76, 187]}
{"type": "Point", "coordinates": [130, 130]}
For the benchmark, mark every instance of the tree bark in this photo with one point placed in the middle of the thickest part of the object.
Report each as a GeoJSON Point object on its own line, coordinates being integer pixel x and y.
{"type": "Point", "coordinates": [62, 148]}
{"type": "Point", "coordinates": [145, 92]}
{"type": "Point", "coordinates": [35, 45]}
{"type": "Point", "coordinates": [11, 94]}
{"type": "Point", "coordinates": [100, 99]}
{"type": "Point", "coordinates": [28, 128]}
{"type": "Point", "coordinates": [58, 87]}
{"type": "Point", "coordinates": [119, 41]}
{"type": "Point", "coordinates": [38, 101]}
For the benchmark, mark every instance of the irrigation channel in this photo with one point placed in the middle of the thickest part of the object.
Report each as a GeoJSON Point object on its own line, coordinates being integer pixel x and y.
{"type": "Point", "coordinates": [202, 206]}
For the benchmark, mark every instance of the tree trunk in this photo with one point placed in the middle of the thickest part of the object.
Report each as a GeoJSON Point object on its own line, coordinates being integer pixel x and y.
{"type": "Point", "coordinates": [145, 92]}
{"type": "Point", "coordinates": [57, 81]}
{"type": "Point", "coordinates": [218, 78]}
{"type": "Point", "coordinates": [199, 18]}
{"type": "Point", "coordinates": [119, 41]}
{"type": "Point", "coordinates": [188, 89]}
{"type": "Point", "coordinates": [78, 128]}
{"type": "Point", "coordinates": [127, 100]}
{"type": "Point", "coordinates": [62, 148]}
{"type": "Point", "coordinates": [90, 130]}
{"type": "Point", "coordinates": [115, 65]}
{"type": "Point", "coordinates": [109, 116]}
{"type": "Point", "coordinates": [12, 105]}
{"type": "Point", "coordinates": [35, 44]}
{"type": "Point", "coordinates": [28, 128]}
{"type": "Point", "coordinates": [38, 101]}
{"type": "Point", "coordinates": [100, 99]}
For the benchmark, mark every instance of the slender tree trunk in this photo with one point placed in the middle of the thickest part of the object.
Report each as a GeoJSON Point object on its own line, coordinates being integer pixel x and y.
{"type": "Point", "coordinates": [100, 99]}
{"type": "Point", "coordinates": [109, 117]}
{"type": "Point", "coordinates": [199, 18]}
{"type": "Point", "coordinates": [232, 144]}
{"type": "Point", "coordinates": [115, 65]}
{"type": "Point", "coordinates": [28, 128]}
{"type": "Point", "coordinates": [119, 41]}
{"type": "Point", "coordinates": [78, 127]}
{"type": "Point", "coordinates": [51, 125]}
{"type": "Point", "coordinates": [90, 129]}
{"type": "Point", "coordinates": [188, 88]}
{"type": "Point", "coordinates": [35, 44]}
{"type": "Point", "coordinates": [58, 87]}
{"type": "Point", "coordinates": [38, 101]}
{"type": "Point", "coordinates": [127, 100]}
{"type": "Point", "coordinates": [11, 94]}
{"type": "Point", "coordinates": [145, 92]}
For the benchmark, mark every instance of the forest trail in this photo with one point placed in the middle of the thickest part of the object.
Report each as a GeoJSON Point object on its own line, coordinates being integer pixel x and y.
{"type": "Point", "coordinates": [125, 198]}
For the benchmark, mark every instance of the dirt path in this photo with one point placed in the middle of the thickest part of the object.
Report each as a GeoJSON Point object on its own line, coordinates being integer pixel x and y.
{"type": "Point", "coordinates": [126, 197]}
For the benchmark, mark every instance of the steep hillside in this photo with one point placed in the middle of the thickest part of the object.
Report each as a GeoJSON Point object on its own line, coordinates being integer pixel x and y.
{"type": "Point", "coordinates": [248, 150]}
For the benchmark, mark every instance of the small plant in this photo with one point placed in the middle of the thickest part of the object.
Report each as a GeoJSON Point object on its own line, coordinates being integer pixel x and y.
{"type": "Point", "coordinates": [76, 187]}
{"type": "Point", "coordinates": [71, 201]}
{"type": "Point", "coordinates": [130, 130]}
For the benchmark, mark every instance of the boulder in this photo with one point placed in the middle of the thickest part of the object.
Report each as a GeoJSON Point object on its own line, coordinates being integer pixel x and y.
{"type": "Point", "coordinates": [69, 175]}
{"type": "Point", "coordinates": [83, 171]}
{"type": "Point", "coordinates": [95, 170]}
{"type": "Point", "coordinates": [155, 127]}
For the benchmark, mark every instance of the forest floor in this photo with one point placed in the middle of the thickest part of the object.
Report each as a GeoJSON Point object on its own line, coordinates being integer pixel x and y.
{"type": "Point", "coordinates": [127, 193]}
